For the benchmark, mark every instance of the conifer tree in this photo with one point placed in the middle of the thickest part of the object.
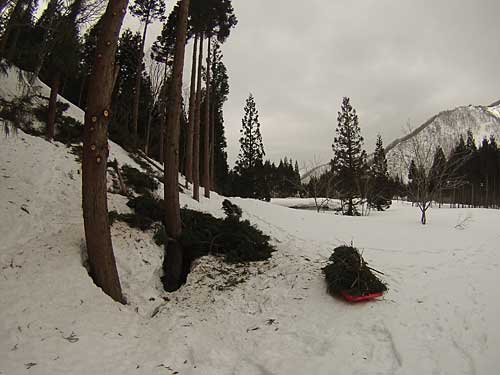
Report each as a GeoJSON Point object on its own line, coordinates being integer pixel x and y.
{"type": "Point", "coordinates": [63, 59]}
{"type": "Point", "coordinates": [349, 157]}
{"type": "Point", "coordinates": [220, 91]}
{"type": "Point", "coordinates": [173, 226]}
{"type": "Point", "coordinates": [95, 152]}
{"type": "Point", "coordinates": [251, 146]}
{"type": "Point", "coordinates": [146, 11]}
{"type": "Point", "coordinates": [379, 195]}
{"type": "Point", "coordinates": [22, 14]}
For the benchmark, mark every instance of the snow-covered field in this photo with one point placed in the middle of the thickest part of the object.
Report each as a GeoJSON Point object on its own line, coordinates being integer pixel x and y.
{"type": "Point", "coordinates": [440, 315]}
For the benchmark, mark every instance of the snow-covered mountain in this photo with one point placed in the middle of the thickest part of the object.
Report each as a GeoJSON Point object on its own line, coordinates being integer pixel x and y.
{"type": "Point", "coordinates": [445, 129]}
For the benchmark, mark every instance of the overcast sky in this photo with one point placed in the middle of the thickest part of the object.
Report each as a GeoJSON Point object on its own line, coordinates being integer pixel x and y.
{"type": "Point", "coordinates": [398, 61]}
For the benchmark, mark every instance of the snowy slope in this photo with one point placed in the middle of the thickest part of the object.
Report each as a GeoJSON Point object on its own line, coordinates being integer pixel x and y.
{"type": "Point", "coordinates": [440, 315]}
{"type": "Point", "coordinates": [445, 130]}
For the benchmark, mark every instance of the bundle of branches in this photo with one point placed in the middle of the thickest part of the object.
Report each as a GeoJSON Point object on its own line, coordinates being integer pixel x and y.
{"type": "Point", "coordinates": [348, 273]}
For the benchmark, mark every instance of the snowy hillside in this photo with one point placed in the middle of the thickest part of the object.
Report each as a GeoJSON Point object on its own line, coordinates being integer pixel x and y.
{"type": "Point", "coordinates": [445, 129]}
{"type": "Point", "coordinates": [440, 315]}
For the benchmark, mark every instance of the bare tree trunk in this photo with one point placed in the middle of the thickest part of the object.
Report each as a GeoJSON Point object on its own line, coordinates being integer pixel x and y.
{"type": "Point", "coordinates": [206, 137]}
{"type": "Point", "coordinates": [162, 142]}
{"type": "Point", "coordinates": [423, 218]}
{"type": "Point", "coordinates": [163, 114]}
{"type": "Point", "coordinates": [95, 152]}
{"type": "Point", "coordinates": [174, 252]}
{"type": "Point", "coordinates": [212, 149]}
{"type": "Point", "coordinates": [196, 131]}
{"type": "Point", "coordinates": [148, 130]}
{"type": "Point", "coordinates": [51, 117]}
{"type": "Point", "coordinates": [192, 102]}
{"type": "Point", "coordinates": [137, 93]}
{"type": "Point", "coordinates": [81, 91]}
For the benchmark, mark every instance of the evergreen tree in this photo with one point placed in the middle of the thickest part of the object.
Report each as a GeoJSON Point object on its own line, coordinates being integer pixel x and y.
{"type": "Point", "coordinates": [250, 181]}
{"type": "Point", "coordinates": [63, 58]}
{"type": "Point", "coordinates": [437, 172]}
{"type": "Point", "coordinates": [173, 226]}
{"type": "Point", "coordinates": [220, 92]}
{"type": "Point", "coordinates": [87, 55]}
{"type": "Point", "coordinates": [380, 194]}
{"type": "Point", "coordinates": [251, 146]}
{"type": "Point", "coordinates": [21, 16]}
{"type": "Point", "coordinates": [349, 157]}
{"type": "Point", "coordinates": [95, 151]}
{"type": "Point", "coordinates": [146, 11]}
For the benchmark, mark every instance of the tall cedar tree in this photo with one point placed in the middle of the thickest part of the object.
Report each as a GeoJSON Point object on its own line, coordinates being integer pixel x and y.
{"type": "Point", "coordinates": [380, 194]}
{"type": "Point", "coordinates": [173, 226]}
{"type": "Point", "coordinates": [127, 58]}
{"type": "Point", "coordinates": [251, 146]}
{"type": "Point", "coordinates": [220, 92]}
{"type": "Point", "coordinates": [163, 51]}
{"type": "Point", "coordinates": [349, 157]}
{"type": "Point", "coordinates": [208, 18]}
{"type": "Point", "coordinates": [196, 129]}
{"type": "Point", "coordinates": [147, 11]}
{"type": "Point", "coordinates": [250, 180]}
{"type": "Point", "coordinates": [63, 59]}
{"type": "Point", "coordinates": [95, 152]}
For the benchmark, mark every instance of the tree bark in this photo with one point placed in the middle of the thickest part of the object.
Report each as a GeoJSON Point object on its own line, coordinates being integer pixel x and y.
{"type": "Point", "coordinates": [206, 137]}
{"type": "Point", "coordinates": [95, 152]}
{"type": "Point", "coordinates": [212, 149]}
{"type": "Point", "coordinates": [162, 142]}
{"type": "Point", "coordinates": [163, 114]}
{"type": "Point", "coordinates": [148, 130]}
{"type": "Point", "coordinates": [52, 111]}
{"type": "Point", "coordinates": [196, 131]}
{"type": "Point", "coordinates": [173, 226]}
{"type": "Point", "coordinates": [192, 102]}
{"type": "Point", "coordinates": [137, 94]}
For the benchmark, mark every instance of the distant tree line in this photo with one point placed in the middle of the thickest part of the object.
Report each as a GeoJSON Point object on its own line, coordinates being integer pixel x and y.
{"type": "Point", "coordinates": [468, 177]}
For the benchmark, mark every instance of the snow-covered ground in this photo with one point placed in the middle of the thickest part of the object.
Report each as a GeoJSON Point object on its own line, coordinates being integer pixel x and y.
{"type": "Point", "coordinates": [440, 315]}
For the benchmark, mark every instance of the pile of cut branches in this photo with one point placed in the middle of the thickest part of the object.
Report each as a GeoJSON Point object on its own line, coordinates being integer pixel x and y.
{"type": "Point", "coordinates": [349, 274]}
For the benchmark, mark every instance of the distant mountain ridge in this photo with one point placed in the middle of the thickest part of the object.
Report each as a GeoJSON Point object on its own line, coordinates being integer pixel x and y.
{"type": "Point", "coordinates": [445, 129]}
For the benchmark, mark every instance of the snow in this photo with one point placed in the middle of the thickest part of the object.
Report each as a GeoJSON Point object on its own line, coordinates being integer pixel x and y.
{"type": "Point", "coordinates": [495, 110]}
{"type": "Point", "coordinates": [439, 316]}
{"type": "Point", "coordinates": [445, 130]}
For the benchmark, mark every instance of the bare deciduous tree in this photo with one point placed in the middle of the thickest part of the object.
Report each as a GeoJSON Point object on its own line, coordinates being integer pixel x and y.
{"type": "Point", "coordinates": [427, 183]}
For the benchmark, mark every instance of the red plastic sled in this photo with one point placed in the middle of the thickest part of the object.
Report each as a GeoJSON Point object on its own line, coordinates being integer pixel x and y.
{"type": "Point", "coordinates": [365, 297]}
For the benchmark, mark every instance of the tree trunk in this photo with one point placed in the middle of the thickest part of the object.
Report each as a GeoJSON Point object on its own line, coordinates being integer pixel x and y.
{"type": "Point", "coordinates": [192, 102]}
{"type": "Point", "coordinates": [82, 90]}
{"type": "Point", "coordinates": [163, 114]}
{"type": "Point", "coordinates": [206, 137]}
{"type": "Point", "coordinates": [162, 142]}
{"type": "Point", "coordinates": [148, 130]}
{"type": "Point", "coordinates": [212, 149]}
{"type": "Point", "coordinates": [51, 117]}
{"type": "Point", "coordinates": [43, 48]}
{"type": "Point", "coordinates": [196, 131]}
{"type": "Point", "coordinates": [95, 152]}
{"type": "Point", "coordinates": [423, 218]}
{"type": "Point", "coordinates": [137, 94]}
{"type": "Point", "coordinates": [173, 226]}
